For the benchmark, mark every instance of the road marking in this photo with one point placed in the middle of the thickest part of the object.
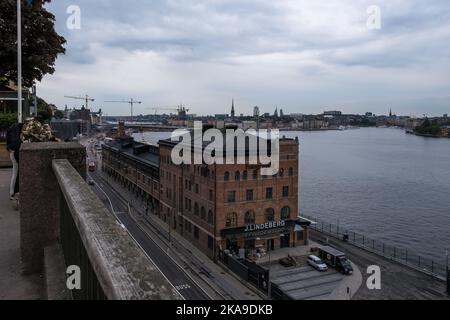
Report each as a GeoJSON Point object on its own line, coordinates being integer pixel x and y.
{"type": "Point", "coordinates": [182, 287]}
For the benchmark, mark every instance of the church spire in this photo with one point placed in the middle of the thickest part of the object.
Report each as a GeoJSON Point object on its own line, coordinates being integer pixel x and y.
{"type": "Point", "coordinates": [232, 108]}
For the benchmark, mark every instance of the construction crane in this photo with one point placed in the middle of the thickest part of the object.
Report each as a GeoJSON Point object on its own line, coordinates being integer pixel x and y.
{"type": "Point", "coordinates": [86, 98]}
{"type": "Point", "coordinates": [131, 102]}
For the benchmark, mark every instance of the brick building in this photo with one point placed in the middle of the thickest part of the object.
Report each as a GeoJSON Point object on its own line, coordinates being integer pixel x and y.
{"type": "Point", "coordinates": [216, 207]}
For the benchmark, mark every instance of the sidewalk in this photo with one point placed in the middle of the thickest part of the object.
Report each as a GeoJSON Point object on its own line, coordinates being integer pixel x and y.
{"type": "Point", "coordinates": [13, 285]}
{"type": "Point", "coordinates": [224, 284]}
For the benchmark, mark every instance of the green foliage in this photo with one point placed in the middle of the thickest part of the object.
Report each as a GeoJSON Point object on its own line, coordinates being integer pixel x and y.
{"type": "Point", "coordinates": [428, 127]}
{"type": "Point", "coordinates": [40, 42]}
{"type": "Point", "coordinates": [58, 114]}
{"type": "Point", "coordinates": [7, 120]}
{"type": "Point", "coordinates": [43, 109]}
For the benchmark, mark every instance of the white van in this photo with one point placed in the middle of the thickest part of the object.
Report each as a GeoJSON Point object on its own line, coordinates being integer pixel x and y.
{"type": "Point", "coordinates": [317, 263]}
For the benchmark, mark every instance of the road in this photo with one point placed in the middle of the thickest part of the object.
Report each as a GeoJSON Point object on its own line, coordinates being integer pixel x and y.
{"type": "Point", "coordinates": [174, 274]}
{"type": "Point", "coordinates": [398, 282]}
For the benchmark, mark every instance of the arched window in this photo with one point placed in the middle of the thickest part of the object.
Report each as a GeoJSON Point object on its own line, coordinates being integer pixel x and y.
{"type": "Point", "coordinates": [249, 217]}
{"type": "Point", "coordinates": [210, 217]}
{"type": "Point", "coordinates": [196, 212]}
{"type": "Point", "coordinates": [226, 176]}
{"type": "Point", "coordinates": [203, 213]}
{"type": "Point", "coordinates": [285, 213]}
{"type": "Point", "coordinates": [291, 171]}
{"type": "Point", "coordinates": [270, 215]}
{"type": "Point", "coordinates": [231, 220]}
{"type": "Point", "coordinates": [237, 176]}
{"type": "Point", "coordinates": [245, 175]}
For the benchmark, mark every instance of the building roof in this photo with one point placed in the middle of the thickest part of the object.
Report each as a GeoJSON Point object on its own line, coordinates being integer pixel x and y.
{"type": "Point", "coordinates": [137, 151]}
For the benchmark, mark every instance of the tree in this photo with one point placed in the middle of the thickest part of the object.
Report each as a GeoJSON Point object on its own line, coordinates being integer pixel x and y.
{"type": "Point", "coordinates": [40, 42]}
{"type": "Point", "coordinates": [44, 109]}
{"type": "Point", "coordinates": [58, 114]}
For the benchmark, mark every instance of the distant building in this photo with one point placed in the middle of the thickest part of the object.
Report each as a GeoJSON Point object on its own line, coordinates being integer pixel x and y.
{"type": "Point", "coordinates": [221, 116]}
{"type": "Point", "coordinates": [332, 113]}
{"type": "Point", "coordinates": [256, 111]}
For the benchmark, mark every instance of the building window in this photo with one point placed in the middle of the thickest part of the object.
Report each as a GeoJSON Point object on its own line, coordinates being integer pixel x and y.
{"type": "Point", "coordinates": [231, 220]}
{"type": "Point", "coordinates": [245, 175]}
{"type": "Point", "coordinates": [269, 193]}
{"type": "Point", "coordinates": [196, 188]}
{"type": "Point", "coordinates": [286, 191]}
{"type": "Point", "coordinates": [203, 213]}
{"type": "Point", "coordinates": [210, 194]}
{"type": "Point", "coordinates": [270, 215]}
{"type": "Point", "coordinates": [196, 212]}
{"type": "Point", "coordinates": [281, 173]}
{"type": "Point", "coordinates": [226, 176]}
{"type": "Point", "coordinates": [255, 174]}
{"type": "Point", "coordinates": [189, 205]}
{"type": "Point", "coordinates": [237, 176]}
{"type": "Point", "coordinates": [231, 196]}
{"type": "Point", "coordinates": [210, 217]}
{"type": "Point", "coordinates": [210, 243]}
{"type": "Point", "coordinates": [249, 217]}
{"type": "Point", "coordinates": [249, 195]}
{"type": "Point", "coordinates": [291, 172]}
{"type": "Point", "coordinates": [196, 236]}
{"type": "Point", "coordinates": [185, 184]}
{"type": "Point", "coordinates": [285, 213]}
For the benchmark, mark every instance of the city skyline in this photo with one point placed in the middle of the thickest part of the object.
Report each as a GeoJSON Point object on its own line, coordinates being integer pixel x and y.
{"type": "Point", "coordinates": [298, 56]}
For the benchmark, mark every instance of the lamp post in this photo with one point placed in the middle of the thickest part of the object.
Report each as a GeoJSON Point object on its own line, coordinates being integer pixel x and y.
{"type": "Point", "coordinates": [447, 273]}
{"type": "Point", "coordinates": [19, 61]}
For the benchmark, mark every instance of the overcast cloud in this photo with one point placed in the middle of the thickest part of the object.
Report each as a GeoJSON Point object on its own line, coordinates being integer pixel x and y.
{"type": "Point", "coordinates": [301, 56]}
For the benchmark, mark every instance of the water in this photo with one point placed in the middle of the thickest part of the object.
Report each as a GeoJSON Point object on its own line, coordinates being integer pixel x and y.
{"type": "Point", "coordinates": [383, 183]}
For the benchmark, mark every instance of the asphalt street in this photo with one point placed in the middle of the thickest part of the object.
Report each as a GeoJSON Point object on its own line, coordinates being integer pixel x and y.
{"type": "Point", "coordinates": [175, 275]}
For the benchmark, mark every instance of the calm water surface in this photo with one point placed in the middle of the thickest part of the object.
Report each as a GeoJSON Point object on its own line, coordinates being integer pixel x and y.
{"type": "Point", "coordinates": [386, 184]}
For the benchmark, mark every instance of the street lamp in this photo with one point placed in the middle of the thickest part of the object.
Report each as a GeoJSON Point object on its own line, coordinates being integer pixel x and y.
{"type": "Point", "coordinates": [447, 273]}
{"type": "Point", "coordinates": [19, 61]}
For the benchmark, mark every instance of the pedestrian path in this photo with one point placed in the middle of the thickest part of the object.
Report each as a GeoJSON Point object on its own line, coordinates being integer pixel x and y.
{"type": "Point", "coordinates": [14, 285]}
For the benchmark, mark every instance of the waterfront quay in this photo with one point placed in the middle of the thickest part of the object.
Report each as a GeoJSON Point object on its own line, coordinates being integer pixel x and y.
{"type": "Point", "coordinates": [398, 282]}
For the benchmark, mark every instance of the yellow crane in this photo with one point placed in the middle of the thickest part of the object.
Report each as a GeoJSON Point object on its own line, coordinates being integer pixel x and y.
{"type": "Point", "coordinates": [86, 98]}
{"type": "Point", "coordinates": [131, 102]}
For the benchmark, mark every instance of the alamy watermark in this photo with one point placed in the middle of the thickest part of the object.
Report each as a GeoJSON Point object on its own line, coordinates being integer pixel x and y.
{"type": "Point", "coordinates": [73, 22]}
{"type": "Point", "coordinates": [252, 147]}
{"type": "Point", "coordinates": [374, 280]}
{"type": "Point", "coordinates": [374, 20]}
{"type": "Point", "coordinates": [73, 281]}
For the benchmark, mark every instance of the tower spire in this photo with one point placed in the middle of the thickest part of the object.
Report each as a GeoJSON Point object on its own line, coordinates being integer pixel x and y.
{"type": "Point", "coordinates": [232, 108]}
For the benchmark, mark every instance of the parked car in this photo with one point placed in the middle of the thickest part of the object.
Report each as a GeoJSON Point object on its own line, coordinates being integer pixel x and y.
{"type": "Point", "coordinates": [317, 263]}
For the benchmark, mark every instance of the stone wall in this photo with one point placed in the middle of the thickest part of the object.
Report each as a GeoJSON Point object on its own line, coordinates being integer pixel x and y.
{"type": "Point", "coordinates": [39, 208]}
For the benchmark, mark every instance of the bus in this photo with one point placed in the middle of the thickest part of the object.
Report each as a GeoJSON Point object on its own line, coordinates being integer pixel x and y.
{"type": "Point", "coordinates": [92, 166]}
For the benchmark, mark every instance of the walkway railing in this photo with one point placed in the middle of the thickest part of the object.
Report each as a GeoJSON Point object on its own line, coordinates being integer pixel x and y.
{"type": "Point", "coordinates": [398, 254]}
{"type": "Point", "coordinates": [112, 265]}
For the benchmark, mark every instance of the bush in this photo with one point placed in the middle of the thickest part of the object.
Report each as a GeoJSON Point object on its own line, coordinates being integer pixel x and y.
{"type": "Point", "coordinates": [7, 120]}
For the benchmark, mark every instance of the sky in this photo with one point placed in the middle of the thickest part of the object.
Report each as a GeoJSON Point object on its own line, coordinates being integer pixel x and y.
{"type": "Point", "coordinates": [301, 56]}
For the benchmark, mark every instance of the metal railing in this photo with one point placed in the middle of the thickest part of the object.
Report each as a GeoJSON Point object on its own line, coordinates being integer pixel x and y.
{"type": "Point", "coordinates": [112, 264]}
{"type": "Point", "coordinates": [401, 255]}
